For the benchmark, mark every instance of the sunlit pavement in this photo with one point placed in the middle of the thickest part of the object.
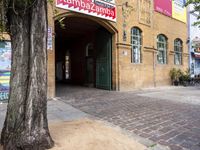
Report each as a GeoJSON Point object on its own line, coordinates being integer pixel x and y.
{"type": "Point", "coordinates": [169, 116]}
{"type": "Point", "coordinates": [57, 111]}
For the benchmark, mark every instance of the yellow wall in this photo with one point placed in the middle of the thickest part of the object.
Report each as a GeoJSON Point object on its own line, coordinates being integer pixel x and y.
{"type": "Point", "coordinates": [126, 75]}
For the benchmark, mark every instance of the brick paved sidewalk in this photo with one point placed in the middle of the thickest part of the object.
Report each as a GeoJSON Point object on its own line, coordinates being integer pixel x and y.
{"type": "Point", "coordinates": [164, 116]}
{"type": "Point", "coordinates": [170, 123]}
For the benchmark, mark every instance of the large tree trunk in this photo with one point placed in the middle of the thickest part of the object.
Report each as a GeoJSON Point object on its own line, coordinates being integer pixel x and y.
{"type": "Point", "coordinates": [26, 125]}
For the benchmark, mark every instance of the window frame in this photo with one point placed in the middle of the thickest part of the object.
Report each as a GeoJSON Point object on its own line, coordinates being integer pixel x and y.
{"type": "Point", "coordinates": [136, 45]}
{"type": "Point", "coordinates": [162, 46]}
{"type": "Point", "coordinates": [178, 51]}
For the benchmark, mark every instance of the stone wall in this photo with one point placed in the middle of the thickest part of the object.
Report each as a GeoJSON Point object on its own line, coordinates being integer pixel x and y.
{"type": "Point", "coordinates": [126, 75]}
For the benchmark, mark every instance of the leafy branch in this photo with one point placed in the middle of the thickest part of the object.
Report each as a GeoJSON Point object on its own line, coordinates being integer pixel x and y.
{"type": "Point", "coordinates": [195, 10]}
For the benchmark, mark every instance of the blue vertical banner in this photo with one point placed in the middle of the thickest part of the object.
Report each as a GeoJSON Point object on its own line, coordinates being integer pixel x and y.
{"type": "Point", "coordinates": [5, 68]}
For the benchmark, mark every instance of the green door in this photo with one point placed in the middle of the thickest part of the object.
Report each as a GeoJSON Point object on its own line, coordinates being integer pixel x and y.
{"type": "Point", "coordinates": [103, 59]}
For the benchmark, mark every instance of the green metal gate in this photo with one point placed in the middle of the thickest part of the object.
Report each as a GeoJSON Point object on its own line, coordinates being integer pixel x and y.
{"type": "Point", "coordinates": [103, 60]}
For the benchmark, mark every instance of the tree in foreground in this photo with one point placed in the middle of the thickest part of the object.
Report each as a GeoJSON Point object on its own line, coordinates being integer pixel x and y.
{"type": "Point", "coordinates": [26, 125]}
{"type": "Point", "coordinates": [196, 10]}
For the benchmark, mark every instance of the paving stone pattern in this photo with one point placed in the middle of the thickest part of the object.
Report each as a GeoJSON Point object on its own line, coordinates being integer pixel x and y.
{"type": "Point", "coordinates": [169, 123]}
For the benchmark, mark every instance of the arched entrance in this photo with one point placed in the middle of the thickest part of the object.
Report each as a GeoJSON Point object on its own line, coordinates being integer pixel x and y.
{"type": "Point", "coordinates": [83, 53]}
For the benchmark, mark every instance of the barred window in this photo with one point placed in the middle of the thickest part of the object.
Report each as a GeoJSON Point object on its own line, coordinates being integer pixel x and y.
{"type": "Point", "coordinates": [178, 49]}
{"type": "Point", "coordinates": [162, 49]}
{"type": "Point", "coordinates": [136, 44]}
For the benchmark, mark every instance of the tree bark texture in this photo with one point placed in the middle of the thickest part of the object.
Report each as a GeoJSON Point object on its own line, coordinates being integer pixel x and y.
{"type": "Point", "coordinates": [26, 125]}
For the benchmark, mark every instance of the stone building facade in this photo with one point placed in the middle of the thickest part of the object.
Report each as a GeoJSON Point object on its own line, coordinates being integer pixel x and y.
{"type": "Point", "coordinates": [142, 47]}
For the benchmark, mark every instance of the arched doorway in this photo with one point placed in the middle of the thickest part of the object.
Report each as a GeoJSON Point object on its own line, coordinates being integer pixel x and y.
{"type": "Point", "coordinates": [83, 53]}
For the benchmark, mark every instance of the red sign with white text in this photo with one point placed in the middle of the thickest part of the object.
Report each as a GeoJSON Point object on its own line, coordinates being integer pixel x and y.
{"type": "Point", "coordinates": [97, 8]}
{"type": "Point", "coordinates": [163, 6]}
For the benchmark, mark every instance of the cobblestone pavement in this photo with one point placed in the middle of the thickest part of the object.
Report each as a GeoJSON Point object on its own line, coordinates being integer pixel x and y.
{"type": "Point", "coordinates": [166, 121]}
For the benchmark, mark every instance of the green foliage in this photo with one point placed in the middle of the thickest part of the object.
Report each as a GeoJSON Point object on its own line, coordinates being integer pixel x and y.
{"type": "Point", "coordinates": [50, 1]}
{"type": "Point", "coordinates": [2, 20]}
{"type": "Point", "coordinates": [196, 10]}
{"type": "Point", "coordinates": [185, 76]}
{"type": "Point", "coordinates": [19, 7]}
{"type": "Point", "coordinates": [175, 74]}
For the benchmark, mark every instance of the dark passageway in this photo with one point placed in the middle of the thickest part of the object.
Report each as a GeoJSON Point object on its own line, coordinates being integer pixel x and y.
{"type": "Point", "coordinates": [83, 53]}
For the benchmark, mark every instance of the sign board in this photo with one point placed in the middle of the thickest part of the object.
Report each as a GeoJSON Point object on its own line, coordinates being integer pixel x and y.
{"type": "Point", "coordinates": [5, 68]}
{"type": "Point", "coordinates": [108, 1]}
{"type": "Point", "coordinates": [49, 39]}
{"type": "Point", "coordinates": [163, 6]}
{"type": "Point", "coordinates": [105, 9]}
{"type": "Point", "coordinates": [172, 8]}
{"type": "Point", "coordinates": [179, 10]}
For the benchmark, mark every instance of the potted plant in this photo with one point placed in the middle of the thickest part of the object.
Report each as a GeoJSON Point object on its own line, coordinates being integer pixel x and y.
{"type": "Point", "coordinates": [175, 75]}
{"type": "Point", "coordinates": [185, 78]}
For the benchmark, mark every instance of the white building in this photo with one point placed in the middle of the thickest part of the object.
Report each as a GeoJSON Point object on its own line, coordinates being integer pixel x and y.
{"type": "Point", "coordinates": [194, 44]}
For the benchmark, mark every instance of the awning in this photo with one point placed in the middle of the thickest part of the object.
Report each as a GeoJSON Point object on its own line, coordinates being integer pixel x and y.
{"type": "Point", "coordinates": [196, 55]}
